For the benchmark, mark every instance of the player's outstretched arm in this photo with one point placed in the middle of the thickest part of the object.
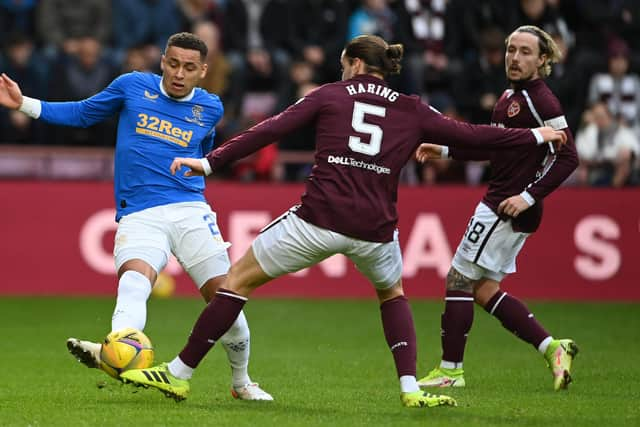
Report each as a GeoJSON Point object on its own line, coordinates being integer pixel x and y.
{"type": "Point", "coordinates": [10, 93]}
{"type": "Point", "coordinates": [426, 151]}
{"type": "Point", "coordinates": [195, 166]}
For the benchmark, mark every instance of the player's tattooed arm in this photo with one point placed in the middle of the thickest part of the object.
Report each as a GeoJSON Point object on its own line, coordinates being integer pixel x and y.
{"type": "Point", "coordinates": [457, 281]}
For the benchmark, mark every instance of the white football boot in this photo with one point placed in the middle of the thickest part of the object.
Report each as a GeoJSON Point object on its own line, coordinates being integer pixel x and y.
{"type": "Point", "coordinates": [86, 352]}
{"type": "Point", "coordinates": [251, 391]}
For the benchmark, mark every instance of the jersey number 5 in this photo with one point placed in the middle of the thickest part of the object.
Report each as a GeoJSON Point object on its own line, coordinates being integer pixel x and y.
{"type": "Point", "coordinates": [359, 125]}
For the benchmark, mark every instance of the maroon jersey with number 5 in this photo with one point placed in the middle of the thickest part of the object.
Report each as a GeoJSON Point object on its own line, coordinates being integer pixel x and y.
{"type": "Point", "coordinates": [534, 169]}
{"type": "Point", "coordinates": [365, 134]}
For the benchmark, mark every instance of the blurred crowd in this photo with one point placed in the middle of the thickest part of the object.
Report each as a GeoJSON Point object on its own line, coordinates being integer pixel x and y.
{"type": "Point", "coordinates": [265, 54]}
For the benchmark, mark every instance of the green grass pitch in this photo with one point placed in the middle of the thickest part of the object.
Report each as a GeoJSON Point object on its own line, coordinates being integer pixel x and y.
{"type": "Point", "coordinates": [325, 362]}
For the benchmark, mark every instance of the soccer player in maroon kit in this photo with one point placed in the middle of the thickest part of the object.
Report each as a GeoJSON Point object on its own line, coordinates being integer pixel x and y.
{"type": "Point", "coordinates": [509, 212]}
{"type": "Point", "coordinates": [365, 133]}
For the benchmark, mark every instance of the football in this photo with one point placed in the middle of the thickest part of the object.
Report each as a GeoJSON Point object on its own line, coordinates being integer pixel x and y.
{"type": "Point", "coordinates": [126, 349]}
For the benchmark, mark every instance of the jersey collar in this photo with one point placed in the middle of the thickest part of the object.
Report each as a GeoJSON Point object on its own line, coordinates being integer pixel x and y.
{"type": "Point", "coordinates": [528, 84]}
{"type": "Point", "coordinates": [187, 97]}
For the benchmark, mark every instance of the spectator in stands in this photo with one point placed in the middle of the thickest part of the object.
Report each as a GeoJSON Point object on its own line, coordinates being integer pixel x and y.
{"type": "Point", "coordinates": [568, 82]}
{"type": "Point", "coordinates": [376, 17]}
{"type": "Point", "coordinates": [317, 35]}
{"type": "Point", "coordinates": [218, 71]}
{"type": "Point", "coordinates": [627, 26]}
{"type": "Point", "coordinates": [145, 25]}
{"type": "Point", "coordinates": [300, 143]}
{"type": "Point", "coordinates": [617, 87]}
{"type": "Point", "coordinates": [62, 23]}
{"type": "Point", "coordinates": [136, 59]}
{"type": "Point", "coordinates": [477, 18]}
{"type": "Point", "coordinates": [428, 57]}
{"type": "Point", "coordinates": [79, 76]}
{"type": "Point", "coordinates": [607, 149]}
{"type": "Point", "coordinates": [372, 17]}
{"type": "Point", "coordinates": [20, 60]}
{"type": "Point", "coordinates": [254, 37]}
{"type": "Point", "coordinates": [591, 21]}
{"type": "Point", "coordinates": [543, 15]}
{"type": "Point", "coordinates": [193, 11]}
{"type": "Point", "coordinates": [478, 88]}
{"type": "Point", "coordinates": [17, 16]}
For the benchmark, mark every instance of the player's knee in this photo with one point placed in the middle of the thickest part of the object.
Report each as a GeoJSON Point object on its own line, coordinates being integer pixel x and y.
{"type": "Point", "coordinates": [484, 290]}
{"type": "Point", "coordinates": [457, 281]}
{"type": "Point", "coordinates": [391, 292]}
{"type": "Point", "coordinates": [209, 288]}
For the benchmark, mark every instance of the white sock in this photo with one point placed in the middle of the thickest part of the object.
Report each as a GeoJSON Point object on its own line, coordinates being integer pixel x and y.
{"type": "Point", "coordinates": [542, 348]}
{"type": "Point", "coordinates": [131, 304]}
{"type": "Point", "coordinates": [178, 369]}
{"type": "Point", "coordinates": [408, 384]}
{"type": "Point", "coordinates": [450, 365]}
{"type": "Point", "coordinates": [236, 343]}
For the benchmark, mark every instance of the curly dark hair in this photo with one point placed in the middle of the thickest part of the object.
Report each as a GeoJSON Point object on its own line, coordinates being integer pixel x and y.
{"type": "Point", "coordinates": [188, 41]}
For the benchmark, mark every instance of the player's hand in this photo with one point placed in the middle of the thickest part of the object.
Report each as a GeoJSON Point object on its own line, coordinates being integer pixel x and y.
{"type": "Point", "coordinates": [194, 165]}
{"type": "Point", "coordinates": [10, 94]}
{"type": "Point", "coordinates": [428, 152]}
{"type": "Point", "coordinates": [513, 206]}
{"type": "Point", "coordinates": [557, 137]}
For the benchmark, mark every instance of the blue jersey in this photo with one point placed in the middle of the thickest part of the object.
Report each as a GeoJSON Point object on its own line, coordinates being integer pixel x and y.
{"type": "Point", "coordinates": [153, 129]}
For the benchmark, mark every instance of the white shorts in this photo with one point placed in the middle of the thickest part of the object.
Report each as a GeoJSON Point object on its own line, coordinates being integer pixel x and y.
{"type": "Point", "coordinates": [188, 230]}
{"type": "Point", "coordinates": [489, 247]}
{"type": "Point", "coordinates": [290, 244]}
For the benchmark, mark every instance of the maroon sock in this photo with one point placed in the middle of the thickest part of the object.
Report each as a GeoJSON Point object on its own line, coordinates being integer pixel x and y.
{"type": "Point", "coordinates": [456, 322]}
{"type": "Point", "coordinates": [400, 333]}
{"type": "Point", "coordinates": [214, 321]}
{"type": "Point", "coordinates": [515, 316]}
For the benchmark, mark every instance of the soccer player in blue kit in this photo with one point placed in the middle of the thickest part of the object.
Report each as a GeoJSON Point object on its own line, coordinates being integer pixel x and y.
{"type": "Point", "coordinates": [509, 212]}
{"type": "Point", "coordinates": [158, 213]}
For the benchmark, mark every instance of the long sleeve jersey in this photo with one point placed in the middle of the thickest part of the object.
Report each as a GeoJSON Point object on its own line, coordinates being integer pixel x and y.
{"type": "Point", "coordinates": [534, 169]}
{"type": "Point", "coordinates": [153, 129]}
{"type": "Point", "coordinates": [365, 134]}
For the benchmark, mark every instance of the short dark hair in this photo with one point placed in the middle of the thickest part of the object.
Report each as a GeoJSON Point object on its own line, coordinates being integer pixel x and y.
{"type": "Point", "coordinates": [379, 56]}
{"type": "Point", "coordinates": [188, 41]}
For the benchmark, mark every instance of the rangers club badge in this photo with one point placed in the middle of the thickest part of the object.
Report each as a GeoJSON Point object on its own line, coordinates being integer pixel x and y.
{"type": "Point", "coordinates": [514, 109]}
{"type": "Point", "coordinates": [197, 115]}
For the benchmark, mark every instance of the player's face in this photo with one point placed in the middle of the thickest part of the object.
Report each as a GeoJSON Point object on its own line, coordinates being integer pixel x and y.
{"type": "Point", "coordinates": [182, 69]}
{"type": "Point", "coordinates": [522, 59]}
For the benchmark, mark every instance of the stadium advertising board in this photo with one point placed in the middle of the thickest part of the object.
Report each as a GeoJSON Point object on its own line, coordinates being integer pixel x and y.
{"type": "Point", "coordinates": [58, 239]}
